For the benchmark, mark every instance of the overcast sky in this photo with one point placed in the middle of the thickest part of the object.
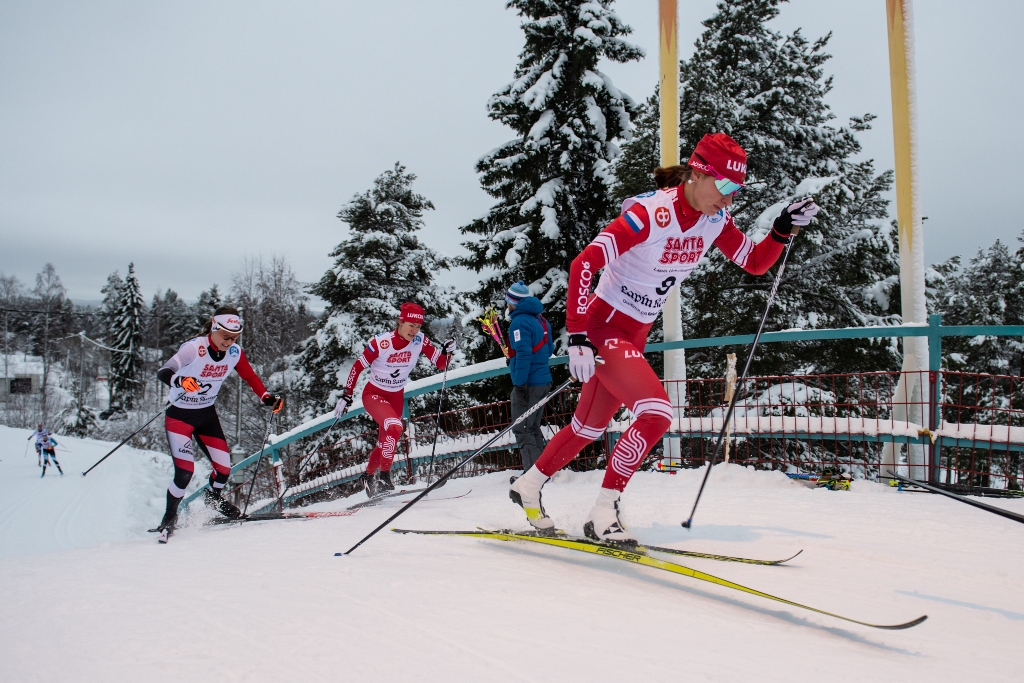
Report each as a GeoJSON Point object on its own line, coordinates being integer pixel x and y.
{"type": "Point", "coordinates": [183, 136]}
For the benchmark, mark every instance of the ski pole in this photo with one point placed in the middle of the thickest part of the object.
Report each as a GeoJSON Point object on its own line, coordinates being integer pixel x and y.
{"type": "Point", "coordinates": [963, 499]}
{"type": "Point", "coordinates": [534, 408]}
{"type": "Point", "coordinates": [128, 438]}
{"type": "Point", "coordinates": [270, 425]}
{"type": "Point", "coordinates": [302, 463]}
{"type": "Point", "coordinates": [437, 422]}
{"type": "Point", "coordinates": [746, 368]}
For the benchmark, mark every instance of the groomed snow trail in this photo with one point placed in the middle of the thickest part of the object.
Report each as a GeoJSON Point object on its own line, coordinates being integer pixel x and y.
{"type": "Point", "coordinates": [269, 601]}
{"type": "Point", "coordinates": [118, 501]}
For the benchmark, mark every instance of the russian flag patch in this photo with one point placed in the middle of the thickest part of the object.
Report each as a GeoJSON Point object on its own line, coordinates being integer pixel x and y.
{"type": "Point", "coordinates": [633, 221]}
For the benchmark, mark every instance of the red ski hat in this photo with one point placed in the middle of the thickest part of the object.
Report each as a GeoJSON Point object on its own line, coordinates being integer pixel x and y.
{"type": "Point", "coordinates": [720, 156]}
{"type": "Point", "coordinates": [411, 313]}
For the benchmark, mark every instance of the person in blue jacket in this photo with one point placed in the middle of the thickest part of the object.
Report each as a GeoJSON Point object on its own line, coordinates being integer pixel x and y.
{"type": "Point", "coordinates": [530, 346]}
{"type": "Point", "coordinates": [48, 454]}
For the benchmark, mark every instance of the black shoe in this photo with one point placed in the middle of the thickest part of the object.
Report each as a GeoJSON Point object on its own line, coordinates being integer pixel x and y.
{"type": "Point", "coordinates": [384, 482]}
{"type": "Point", "coordinates": [167, 523]}
{"type": "Point", "coordinates": [369, 484]}
{"type": "Point", "coordinates": [226, 508]}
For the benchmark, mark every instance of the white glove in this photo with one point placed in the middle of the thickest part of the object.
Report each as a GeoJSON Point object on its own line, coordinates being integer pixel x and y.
{"type": "Point", "coordinates": [448, 348]}
{"type": "Point", "coordinates": [581, 358]}
{"type": "Point", "coordinates": [344, 403]}
{"type": "Point", "coordinates": [798, 214]}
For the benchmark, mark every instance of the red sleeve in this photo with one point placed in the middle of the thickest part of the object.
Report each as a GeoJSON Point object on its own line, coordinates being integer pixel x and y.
{"type": "Point", "coordinates": [621, 235]}
{"type": "Point", "coordinates": [756, 259]}
{"type": "Point", "coordinates": [369, 355]}
{"type": "Point", "coordinates": [246, 372]}
{"type": "Point", "coordinates": [434, 354]}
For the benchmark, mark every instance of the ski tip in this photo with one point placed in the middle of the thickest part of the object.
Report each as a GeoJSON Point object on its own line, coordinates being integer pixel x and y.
{"type": "Point", "coordinates": [909, 624]}
{"type": "Point", "coordinates": [790, 558]}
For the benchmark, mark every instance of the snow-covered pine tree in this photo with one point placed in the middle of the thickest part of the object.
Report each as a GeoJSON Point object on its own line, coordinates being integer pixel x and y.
{"type": "Point", "coordinates": [552, 180]}
{"type": "Point", "coordinates": [128, 329]}
{"type": "Point", "coordinates": [989, 290]}
{"type": "Point", "coordinates": [170, 322]}
{"type": "Point", "coordinates": [108, 308]}
{"type": "Point", "coordinates": [202, 310]}
{"type": "Point", "coordinates": [767, 90]}
{"type": "Point", "coordinates": [380, 265]}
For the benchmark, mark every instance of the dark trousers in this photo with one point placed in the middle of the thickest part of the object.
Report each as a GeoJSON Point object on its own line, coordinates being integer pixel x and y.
{"type": "Point", "coordinates": [529, 438]}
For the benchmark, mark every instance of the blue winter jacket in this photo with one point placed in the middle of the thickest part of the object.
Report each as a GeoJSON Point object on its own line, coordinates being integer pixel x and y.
{"type": "Point", "coordinates": [525, 333]}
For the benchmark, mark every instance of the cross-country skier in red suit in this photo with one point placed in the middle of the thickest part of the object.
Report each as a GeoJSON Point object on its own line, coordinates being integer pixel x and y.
{"type": "Point", "coordinates": [390, 356]}
{"type": "Point", "coordinates": [195, 374]}
{"type": "Point", "coordinates": [658, 241]}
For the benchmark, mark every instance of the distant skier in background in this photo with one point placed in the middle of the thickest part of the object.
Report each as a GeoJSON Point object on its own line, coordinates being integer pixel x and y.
{"type": "Point", "coordinates": [529, 338]}
{"type": "Point", "coordinates": [659, 239]}
{"type": "Point", "coordinates": [391, 357]}
{"type": "Point", "coordinates": [42, 437]}
{"type": "Point", "coordinates": [195, 374]}
{"type": "Point", "coordinates": [50, 454]}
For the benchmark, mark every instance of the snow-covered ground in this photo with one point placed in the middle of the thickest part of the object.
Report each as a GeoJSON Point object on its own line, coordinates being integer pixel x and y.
{"type": "Point", "coordinates": [270, 602]}
{"type": "Point", "coordinates": [118, 501]}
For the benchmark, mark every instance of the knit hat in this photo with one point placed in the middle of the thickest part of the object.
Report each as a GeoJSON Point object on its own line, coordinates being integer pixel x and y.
{"type": "Point", "coordinates": [517, 293]}
{"type": "Point", "coordinates": [723, 154]}
{"type": "Point", "coordinates": [411, 313]}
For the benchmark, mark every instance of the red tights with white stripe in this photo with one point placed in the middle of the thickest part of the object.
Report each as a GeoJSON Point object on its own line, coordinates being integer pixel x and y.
{"type": "Point", "coordinates": [625, 379]}
{"type": "Point", "coordinates": [181, 425]}
{"type": "Point", "coordinates": [386, 408]}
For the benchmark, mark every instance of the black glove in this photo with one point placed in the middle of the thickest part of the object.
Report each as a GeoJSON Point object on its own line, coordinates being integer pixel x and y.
{"type": "Point", "coordinates": [273, 401]}
{"type": "Point", "coordinates": [448, 348]}
{"type": "Point", "coordinates": [797, 214]}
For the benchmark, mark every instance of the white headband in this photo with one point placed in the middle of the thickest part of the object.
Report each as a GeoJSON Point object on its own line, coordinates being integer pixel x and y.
{"type": "Point", "coordinates": [229, 322]}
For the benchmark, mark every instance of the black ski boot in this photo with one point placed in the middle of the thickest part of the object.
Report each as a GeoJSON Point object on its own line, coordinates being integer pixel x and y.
{"type": "Point", "coordinates": [369, 484]}
{"type": "Point", "coordinates": [384, 484]}
{"type": "Point", "coordinates": [224, 507]}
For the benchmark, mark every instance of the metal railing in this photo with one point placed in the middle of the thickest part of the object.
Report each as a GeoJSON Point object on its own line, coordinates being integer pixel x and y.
{"type": "Point", "coordinates": [938, 445]}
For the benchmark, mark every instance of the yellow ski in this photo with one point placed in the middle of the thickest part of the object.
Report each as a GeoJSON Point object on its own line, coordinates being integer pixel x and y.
{"type": "Point", "coordinates": [636, 556]}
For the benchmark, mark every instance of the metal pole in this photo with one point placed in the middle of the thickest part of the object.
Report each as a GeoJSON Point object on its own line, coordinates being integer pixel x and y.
{"type": "Point", "coordinates": [668, 104]}
{"type": "Point", "coordinates": [899, 20]}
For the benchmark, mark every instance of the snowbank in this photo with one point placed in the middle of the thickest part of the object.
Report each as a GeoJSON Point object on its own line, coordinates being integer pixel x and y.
{"type": "Point", "coordinates": [270, 602]}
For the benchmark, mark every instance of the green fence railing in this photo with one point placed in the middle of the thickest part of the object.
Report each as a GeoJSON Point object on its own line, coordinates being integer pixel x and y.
{"type": "Point", "coordinates": [933, 330]}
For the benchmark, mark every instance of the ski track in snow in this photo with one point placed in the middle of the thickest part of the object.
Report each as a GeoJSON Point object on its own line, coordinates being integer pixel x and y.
{"type": "Point", "coordinates": [86, 594]}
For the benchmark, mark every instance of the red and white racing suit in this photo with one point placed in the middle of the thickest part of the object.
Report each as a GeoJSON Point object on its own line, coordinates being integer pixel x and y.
{"type": "Point", "coordinates": [390, 360]}
{"type": "Point", "coordinates": [194, 414]}
{"type": "Point", "coordinates": [654, 245]}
